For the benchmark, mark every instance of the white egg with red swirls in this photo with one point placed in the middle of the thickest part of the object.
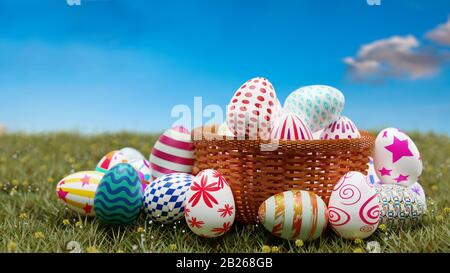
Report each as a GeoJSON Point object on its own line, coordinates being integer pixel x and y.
{"type": "Point", "coordinates": [354, 207]}
{"type": "Point", "coordinates": [209, 206]}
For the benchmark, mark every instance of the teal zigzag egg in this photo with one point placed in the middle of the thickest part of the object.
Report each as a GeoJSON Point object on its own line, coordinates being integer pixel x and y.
{"type": "Point", "coordinates": [118, 199]}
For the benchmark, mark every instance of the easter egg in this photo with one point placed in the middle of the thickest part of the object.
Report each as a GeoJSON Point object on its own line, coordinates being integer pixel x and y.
{"type": "Point", "coordinates": [318, 105]}
{"type": "Point", "coordinates": [224, 131]}
{"type": "Point", "coordinates": [400, 206]}
{"type": "Point", "coordinates": [164, 197]}
{"type": "Point", "coordinates": [110, 160]}
{"type": "Point", "coordinates": [142, 167]}
{"type": "Point", "coordinates": [290, 127]}
{"type": "Point", "coordinates": [397, 159]}
{"type": "Point", "coordinates": [372, 177]}
{"type": "Point", "coordinates": [316, 135]}
{"type": "Point", "coordinates": [420, 193]}
{"type": "Point", "coordinates": [354, 207]}
{"type": "Point", "coordinates": [252, 109]}
{"type": "Point", "coordinates": [118, 199]}
{"type": "Point", "coordinates": [172, 153]}
{"type": "Point", "coordinates": [294, 215]}
{"type": "Point", "coordinates": [77, 191]}
{"type": "Point", "coordinates": [210, 208]}
{"type": "Point", "coordinates": [132, 153]}
{"type": "Point", "coordinates": [341, 128]}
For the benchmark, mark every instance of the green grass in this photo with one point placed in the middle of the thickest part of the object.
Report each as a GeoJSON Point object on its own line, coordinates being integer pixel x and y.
{"type": "Point", "coordinates": [32, 219]}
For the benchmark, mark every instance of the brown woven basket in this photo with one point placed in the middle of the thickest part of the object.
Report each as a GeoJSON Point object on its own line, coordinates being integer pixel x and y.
{"type": "Point", "coordinates": [254, 175]}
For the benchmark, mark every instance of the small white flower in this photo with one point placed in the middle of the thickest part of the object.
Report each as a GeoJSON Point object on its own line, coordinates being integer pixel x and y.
{"type": "Point", "coordinates": [373, 247]}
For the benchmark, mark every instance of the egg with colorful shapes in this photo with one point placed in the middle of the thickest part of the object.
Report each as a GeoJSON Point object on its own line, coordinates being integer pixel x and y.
{"type": "Point", "coordinates": [420, 193]}
{"type": "Point", "coordinates": [318, 105]}
{"type": "Point", "coordinates": [77, 191]}
{"type": "Point", "coordinates": [354, 207]}
{"type": "Point", "coordinates": [110, 160]}
{"type": "Point", "coordinates": [252, 109]}
{"type": "Point", "coordinates": [396, 158]}
{"type": "Point", "coordinates": [209, 205]}
{"type": "Point", "coordinates": [118, 199]}
{"type": "Point", "coordinates": [294, 215]}
{"type": "Point", "coordinates": [172, 153]}
{"type": "Point", "coordinates": [164, 198]}
{"type": "Point", "coordinates": [372, 176]}
{"type": "Point", "coordinates": [142, 167]}
{"type": "Point", "coordinates": [291, 127]}
{"type": "Point", "coordinates": [400, 206]}
{"type": "Point", "coordinates": [132, 153]}
{"type": "Point", "coordinates": [341, 128]}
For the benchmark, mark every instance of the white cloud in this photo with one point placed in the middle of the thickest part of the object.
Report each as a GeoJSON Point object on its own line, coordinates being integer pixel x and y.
{"type": "Point", "coordinates": [441, 34]}
{"type": "Point", "coordinates": [394, 57]}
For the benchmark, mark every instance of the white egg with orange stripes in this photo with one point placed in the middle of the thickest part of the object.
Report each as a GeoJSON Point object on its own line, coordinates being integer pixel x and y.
{"type": "Point", "coordinates": [77, 191]}
{"type": "Point", "coordinates": [172, 153]}
{"type": "Point", "coordinates": [294, 215]}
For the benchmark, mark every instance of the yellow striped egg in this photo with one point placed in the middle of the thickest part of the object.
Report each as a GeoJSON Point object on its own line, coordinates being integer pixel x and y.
{"type": "Point", "coordinates": [77, 191]}
{"type": "Point", "coordinates": [294, 215]}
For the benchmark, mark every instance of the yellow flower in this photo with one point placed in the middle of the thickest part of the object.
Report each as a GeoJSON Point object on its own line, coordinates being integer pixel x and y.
{"type": "Point", "coordinates": [50, 180]}
{"type": "Point", "coordinates": [358, 250]}
{"type": "Point", "coordinates": [382, 227]}
{"type": "Point", "coordinates": [66, 222]}
{"type": "Point", "coordinates": [15, 182]}
{"type": "Point", "coordinates": [173, 247]}
{"type": "Point", "coordinates": [447, 210]}
{"type": "Point", "coordinates": [439, 218]}
{"type": "Point", "coordinates": [120, 251]}
{"type": "Point", "coordinates": [299, 243]}
{"type": "Point", "coordinates": [140, 230]}
{"type": "Point", "coordinates": [266, 249]}
{"type": "Point", "coordinates": [23, 215]}
{"type": "Point", "coordinates": [39, 235]}
{"type": "Point", "coordinates": [12, 247]}
{"type": "Point", "coordinates": [79, 224]}
{"type": "Point", "coordinates": [358, 241]}
{"type": "Point", "coordinates": [434, 188]}
{"type": "Point", "coordinates": [275, 249]}
{"type": "Point", "coordinates": [92, 249]}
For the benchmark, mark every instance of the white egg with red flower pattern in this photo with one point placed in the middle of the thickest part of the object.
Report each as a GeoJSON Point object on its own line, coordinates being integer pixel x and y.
{"type": "Point", "coordinates": [291, 127]}
{"type": "Point", "coordinates": [396, 158]}
{"type": "Point", "coordinates": [354, 207]}
{"type": "Point", "coordinates": [252, 109]}
{"type": "Point", "coordinates": [209, 205]}
{"type": "Point", "coordinates": [341, 128]}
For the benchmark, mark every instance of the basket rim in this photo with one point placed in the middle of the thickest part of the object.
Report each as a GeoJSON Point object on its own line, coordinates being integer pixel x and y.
{"type": "Point", "coordinates": [209, 136]}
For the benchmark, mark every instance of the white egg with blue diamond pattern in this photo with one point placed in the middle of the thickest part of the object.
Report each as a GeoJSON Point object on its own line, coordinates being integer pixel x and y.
{"type": "Point", "coordinates": [164, 197]}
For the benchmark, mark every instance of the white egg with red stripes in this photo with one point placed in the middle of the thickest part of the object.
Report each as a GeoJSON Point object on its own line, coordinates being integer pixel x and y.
{"type": "Point", "coordinates": [341, 128]}
{"type": "Point", "coordinates": [172, 153]}
{"type": "Point", "coordinates": [291, 127]}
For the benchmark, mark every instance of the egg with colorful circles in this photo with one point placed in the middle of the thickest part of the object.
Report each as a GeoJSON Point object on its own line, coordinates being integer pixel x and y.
{"type": "Point", "coordinates": [77, 191]}
{"type": "Point", "coordinates": [173, 152]}
{"type": "Point", "coordinates": [396, 158]}
{"type": "Point", "coordinates": [341, 128]}
{"type": "Point", "coordinates": [318, 105]}
{"type": "Point", "coordinates": [252, 109]}
{"type": "Point", "coordinates": [164, 198]}
{"type": "Point", "coordinates": [110, 160]}
{"type": "Point", "coordinates": [294, 215]}
{"type": "Point", "coordinates": [118, 199]}
{"type": "Point", "coordinates": [354, 207]}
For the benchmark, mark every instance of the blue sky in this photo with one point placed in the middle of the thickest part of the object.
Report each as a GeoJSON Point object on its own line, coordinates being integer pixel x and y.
{"type": "Point", "coordinates": [110, 65]}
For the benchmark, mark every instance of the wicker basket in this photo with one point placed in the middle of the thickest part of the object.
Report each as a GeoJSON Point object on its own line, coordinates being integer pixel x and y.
{"type": "Point", "coordinates": [254, 175]}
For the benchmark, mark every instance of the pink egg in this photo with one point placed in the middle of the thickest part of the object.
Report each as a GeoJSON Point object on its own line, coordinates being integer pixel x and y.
{"type": "Point", "coordinates": [396, 158]}
{"type": "Point", "coordinates": [172, 153]}
{"type": "Point", "coordinates": [341, 128]}
{"type": "Point", "coordinates": [354, 207]}
{"type": "Point", "coordinates": [252, 109]}
{"type": "Point", "coordinates": [291, 127]}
